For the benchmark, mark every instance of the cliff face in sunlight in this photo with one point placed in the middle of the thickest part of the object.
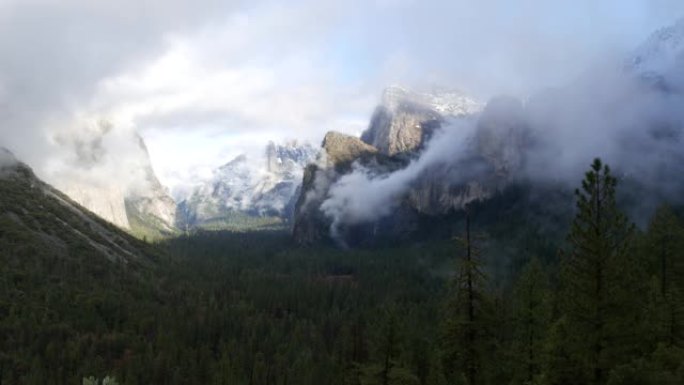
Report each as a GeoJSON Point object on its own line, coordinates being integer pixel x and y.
{"type": "Point", "coordinates": [113, 177]}
{"type": "Point", "coordinates": [429, 155]}
{"type": "Point", "coordinates": [404, 120]}
{"type": "Point", "coordinates": [401, 127]}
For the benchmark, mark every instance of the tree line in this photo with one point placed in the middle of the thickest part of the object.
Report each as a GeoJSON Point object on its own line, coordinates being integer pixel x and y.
{"type": "Point", "coordinates": [609, 312]}
{"type": "Point", "coordinates": [605, 306]}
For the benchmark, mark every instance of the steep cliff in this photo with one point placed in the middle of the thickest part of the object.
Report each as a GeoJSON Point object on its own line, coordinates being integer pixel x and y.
{"type": "Point", "coordinates": [486, 160]}
{"type": "Point", "coordinates": [405, 120]}
{"type": "Point", "coordinates": [338, 153]}
{"type": "Point", "coordinates": [110, 172]}
{"type": "Point", "coordinates": [150, 209]}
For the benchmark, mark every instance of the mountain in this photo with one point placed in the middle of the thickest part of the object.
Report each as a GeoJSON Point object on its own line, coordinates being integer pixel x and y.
{"type": "Point", "coordinates": [151, 211]}
{"type": "Point", "coordinates": [121, 188]}
{"type": "Point", "coordinates": [400, 178]}
{"type": "Point", "coordinates": [405, 119]}
{"type": "Point", "coordinates": [39, 221]}
{"type": "Point", "coordinates": [399, 129]}
{"type": "Point", "coordinates": [659, 57]}
{"type": "Point", "coordinates": [338, 153]}
{"type": "Point", "coordinates": [249, 191]}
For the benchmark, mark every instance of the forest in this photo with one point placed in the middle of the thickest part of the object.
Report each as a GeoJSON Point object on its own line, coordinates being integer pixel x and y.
{"type": "Point", "coordinates": [499, 303]}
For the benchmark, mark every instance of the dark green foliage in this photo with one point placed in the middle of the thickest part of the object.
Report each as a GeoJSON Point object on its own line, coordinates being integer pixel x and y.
{"type": "Point", "coordinates": [252, 308]}
{"type": "Point", "coordinates": [600, 281]}
{"type": "Point", "coordinates": [468, 335]}
{"type": "Point", "coordinates": [531, 321]}
{"type": "Point", "coordinates": [223, 308]}
{"type": "Point", "coordinates": [663, 248]}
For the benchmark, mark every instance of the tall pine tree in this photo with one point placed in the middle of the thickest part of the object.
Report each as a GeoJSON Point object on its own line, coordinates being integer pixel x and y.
{"type": "Point", "coordinates": [467, 335]}
{"type": "Point", "coordinates": [664, 247]}
{"type": "Point", "coordinates": [531, 319]}
{"type": "Point", "coordinates": [600, 281]}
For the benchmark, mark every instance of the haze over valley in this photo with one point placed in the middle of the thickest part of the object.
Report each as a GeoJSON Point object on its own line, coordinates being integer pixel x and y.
{"type": "Point", "coordinates": [342, 192]}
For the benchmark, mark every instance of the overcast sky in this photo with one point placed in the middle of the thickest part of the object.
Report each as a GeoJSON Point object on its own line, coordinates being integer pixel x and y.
{"type": "Point", "coordinates": [205, 80]}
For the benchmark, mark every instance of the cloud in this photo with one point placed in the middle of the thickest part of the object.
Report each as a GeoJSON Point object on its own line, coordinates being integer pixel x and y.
{"type": "Point", "coordinates": [363, 196]}
{"type": "Point", "coordinates": [233, 73]}
{"type": "Point", "coordinates": [628, 115]}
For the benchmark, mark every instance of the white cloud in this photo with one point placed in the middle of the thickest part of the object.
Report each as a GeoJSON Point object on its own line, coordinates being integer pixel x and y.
{"type": "Point", "coordinates": [231, 73]}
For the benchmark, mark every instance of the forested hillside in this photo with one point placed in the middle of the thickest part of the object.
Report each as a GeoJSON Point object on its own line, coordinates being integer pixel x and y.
{"type": "Point", "coordinates": [500, 303]}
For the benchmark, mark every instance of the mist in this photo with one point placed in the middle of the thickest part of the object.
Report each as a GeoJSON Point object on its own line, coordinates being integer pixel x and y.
{"type": "Point", "coordinates": [204, 81]}
{"type": "Point", "coordinates": [361, 196]}
{"type": "Point", "coordinates": [6, 158]}
{"type": "Point", "coordinates": [627, 111]}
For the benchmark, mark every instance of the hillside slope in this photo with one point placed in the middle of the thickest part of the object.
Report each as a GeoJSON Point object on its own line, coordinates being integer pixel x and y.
{"type": "Point", "coordinates": [37, 219]}
{"type": "Point", "coordinates": [70, 282]}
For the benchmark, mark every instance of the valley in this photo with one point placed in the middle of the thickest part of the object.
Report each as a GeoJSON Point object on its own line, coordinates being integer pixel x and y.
{"type": "Point", "coordinates": [225, 208]}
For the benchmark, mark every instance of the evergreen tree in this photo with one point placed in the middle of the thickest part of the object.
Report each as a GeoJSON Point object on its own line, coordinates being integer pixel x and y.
{"type": "Point", "coordinates": [664, 239]}
{"type": "Point", "coordinates": [531, 318]}
{"type": "Point", "coordinates": [467, 335]}
{"type": "Point", "coordinates": [600, 281]}
{"type": "Point", "coordinates": [664, 247]}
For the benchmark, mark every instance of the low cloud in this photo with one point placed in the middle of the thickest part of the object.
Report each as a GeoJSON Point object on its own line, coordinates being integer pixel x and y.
{"type": "Point", "coordinates": [627, 114]}
{"type": "Point", "coordinates": [363, 196]}
{"type": "Point", "coordinates": [232, 73]}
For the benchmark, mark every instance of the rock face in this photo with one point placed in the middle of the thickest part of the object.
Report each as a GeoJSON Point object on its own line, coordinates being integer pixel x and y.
{"type": "Point", "coordinates": [121, 188]}
{"type": "Point", "coordinates": [400, 128]}
{"type": "Point", "coordinates": [249, 192]}
{"type": "Point", "coordinates": [108, 202]}
{"type": "Point", "coordinates": [542, 144]}
{"type": "Point", "coordinates": [502, 135]}
{"type": "Point", "coordinates": [341, 149]}
{"type": "Point", "coordinates": [149, 205]}
{"type": "Point", "coordinates": [338, 152]}
{"type": "Point", "coordinates": [404, 120]}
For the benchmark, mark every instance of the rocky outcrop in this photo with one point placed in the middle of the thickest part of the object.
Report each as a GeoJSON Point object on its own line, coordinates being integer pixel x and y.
{"type": "Point", "coordinates": [123, 190]}
{"type": "Point", "coordinates": [340, 149]}
{"type": "Point", "coordinates": [400, 127]}
{"type": "Point", "coordinates": [149, 205]}
{"type": "Point", "coordinates": [405, 120]}
{"type": "Point", "coordinates": [108, 202]}
{"type": "Point", "coordinates": [338, 152]}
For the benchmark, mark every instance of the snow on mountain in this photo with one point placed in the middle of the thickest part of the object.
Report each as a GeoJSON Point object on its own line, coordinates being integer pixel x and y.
{"type": "Point", "coordinates": [249, 187]}
{"type": "Point", "coordinates": [444, 101]}
{"type": "Point", "coordinates": [405, 119]}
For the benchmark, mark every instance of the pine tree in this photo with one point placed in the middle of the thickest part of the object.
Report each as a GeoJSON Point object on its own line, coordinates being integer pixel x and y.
{"type": "Point", "coordinates": [600, 280]}
{"type": "Point", "coordinates": [466, 329]}
{"type": "Point", "coordinates": [531, 319]}
{"type": "Point", "coordinates": [664, 239]}
{"type": "Point", "coordinates": [664, 246]}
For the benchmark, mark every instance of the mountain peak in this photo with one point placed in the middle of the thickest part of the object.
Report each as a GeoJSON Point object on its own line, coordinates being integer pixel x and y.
{"type": "Point", "coordinates": [250, 190]}
{"type": "Point", "coordinates": [661, 51]}
{"type": "Point", "coordinates": [405, 119]}
{"type": "Point", "coordinates": [448, 102]}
